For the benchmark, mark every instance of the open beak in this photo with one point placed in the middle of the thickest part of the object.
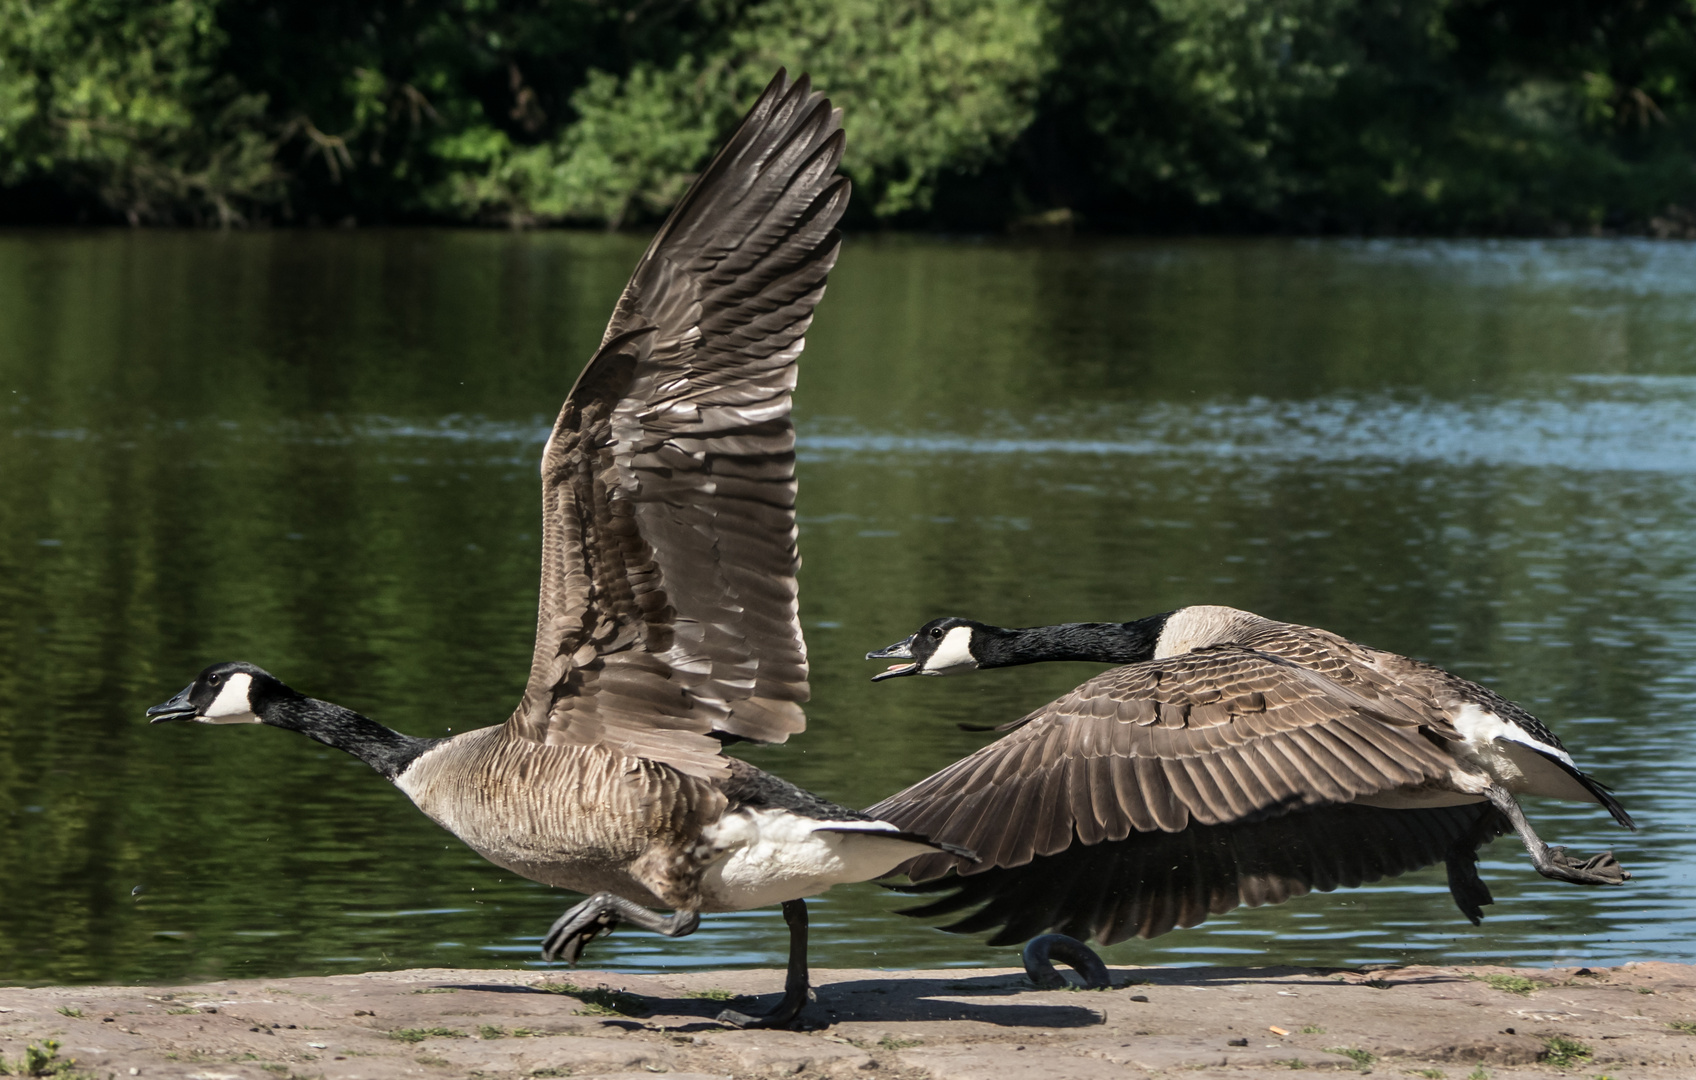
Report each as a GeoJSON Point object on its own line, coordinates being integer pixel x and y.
{"type": "Point", "coordinates": [178, 708]}
{"type": "Point", "coordinates": [901, 650]}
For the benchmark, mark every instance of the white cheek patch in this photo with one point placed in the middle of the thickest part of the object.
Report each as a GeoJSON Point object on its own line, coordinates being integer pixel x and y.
{"type": "Point", "coordinates": [953, 654]}
{"type": "Point", "coordinates": [231, 706]}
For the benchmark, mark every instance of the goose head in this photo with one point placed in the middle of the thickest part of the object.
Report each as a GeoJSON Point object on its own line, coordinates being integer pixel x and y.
{"type": "Point", "coordinates": [232, 693]}
{"type": "Point", "coordinates": [941, 647]}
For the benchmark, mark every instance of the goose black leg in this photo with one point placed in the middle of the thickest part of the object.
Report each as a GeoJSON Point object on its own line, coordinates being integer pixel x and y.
{"type": "Point", "coordinates": [1554, 862]}
{"type": "Point", "coordinates": [1069, 951]}
{"type": "Point", "coordinates": [796, 992]}
{"type": "Point", "coordinates": [599, 914]}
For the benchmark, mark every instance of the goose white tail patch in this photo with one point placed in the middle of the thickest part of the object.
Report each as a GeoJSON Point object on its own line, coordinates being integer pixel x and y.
{"type": "Point", "coordinates": [232, 705]}
{"type": "Point", "coordinates": [1480, 726]}
{"type": "Point", "coordinates": [953, 653]}
{"type": "Point", "coordinates": [777, 855]}
{"type": "Point", "coordinates": [1516, 759]}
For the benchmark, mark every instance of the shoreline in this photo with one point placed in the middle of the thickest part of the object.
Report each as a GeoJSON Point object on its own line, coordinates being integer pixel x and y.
{"type": "Point", "coordinates": [1635, 1020]}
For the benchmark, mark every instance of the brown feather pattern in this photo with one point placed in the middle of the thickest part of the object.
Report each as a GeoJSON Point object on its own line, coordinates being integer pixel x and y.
{"type": "Point", "coordinates": [1152, 882]}
{"type": "Point", "coordinates": [1221, 734]}
{"type": "Point", "coordinates": [668, 600]}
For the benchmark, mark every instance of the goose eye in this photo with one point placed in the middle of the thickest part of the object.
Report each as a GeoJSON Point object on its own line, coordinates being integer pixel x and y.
{"type": "Point", "coordinates": [936, 631]}
{"type": "Point", "coordinates": [213, 679]}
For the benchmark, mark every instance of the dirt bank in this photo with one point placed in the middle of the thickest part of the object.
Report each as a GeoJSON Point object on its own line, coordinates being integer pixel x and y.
{"type": "Point", "coordinates": [1638, 1020]}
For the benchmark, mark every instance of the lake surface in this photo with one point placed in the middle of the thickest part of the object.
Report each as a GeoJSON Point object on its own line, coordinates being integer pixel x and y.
{"type": "Point", "coordinates": [316, 451]}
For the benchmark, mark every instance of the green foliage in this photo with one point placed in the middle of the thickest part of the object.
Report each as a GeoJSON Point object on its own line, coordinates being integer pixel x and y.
{"type": "Point", "coordinates": [124, 102]}
{"type": "Point", "coordinates": [942, 85]}
{"type": "Point", "coordinates": [413, 1035]}
{"type": "Point", "coordinates": [1362, 1059]}
{"type": "Point", "coordinates": [42, 1059]}
{"type": "Point", "coordinates": [601, 1000]}
{"type": "Point", "coordinates": [1511, 984]}
{"type": "Point", "coordinates": [1315, 114]}
{"type": "Point", "coordinates": [712, 994]}
{"type": "Point", "coordinates": [1433, 115]}
{"type": "Point", "coordinates": [1563, 1052]}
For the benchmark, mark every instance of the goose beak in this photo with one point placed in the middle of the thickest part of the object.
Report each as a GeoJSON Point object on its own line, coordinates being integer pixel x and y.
{"type": "Point", "coordinates": [901, 650]}
{"type": "Point", "coordinates": [178, 708]}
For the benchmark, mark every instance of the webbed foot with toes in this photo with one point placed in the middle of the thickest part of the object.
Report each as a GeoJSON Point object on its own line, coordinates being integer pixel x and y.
{"type": "Point", "coordinates": [1601, 869]}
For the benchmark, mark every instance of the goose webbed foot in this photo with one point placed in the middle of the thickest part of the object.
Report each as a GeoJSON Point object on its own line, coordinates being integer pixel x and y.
{"type": "Point", "coordinates": [1040, 952]}
{"type": "Point", "coordinates": [598, 915]}
{"type": "Point", "coordinates": [794, 1000]}
{"type": "Point", "coordinates": [1554, 862]}
{"type": "Point", "coordinates": [1601, 869]}
{"type": "Point", "coordinates": [796, 991]}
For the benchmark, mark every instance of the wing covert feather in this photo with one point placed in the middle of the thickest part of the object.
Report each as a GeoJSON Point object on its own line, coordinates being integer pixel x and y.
{"type": "Point", "coordinates": [1209, 737]}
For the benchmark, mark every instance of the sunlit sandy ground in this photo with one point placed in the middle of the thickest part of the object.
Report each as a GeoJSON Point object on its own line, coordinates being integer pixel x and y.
{"type": "Point", "coordinates": [1461, 1022]}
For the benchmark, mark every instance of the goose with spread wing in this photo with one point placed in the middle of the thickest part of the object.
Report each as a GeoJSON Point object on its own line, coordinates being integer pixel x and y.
{"type": "Point", "coordinates": [667, 623]}
{"type": "Point", "coordinates": [1232, 759]}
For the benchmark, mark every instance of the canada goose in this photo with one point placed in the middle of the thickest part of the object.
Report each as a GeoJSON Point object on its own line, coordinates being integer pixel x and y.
{"type": "Point", "coordinates": [667, 621]}
{"type": "Point", "coordinates": [1246, 759]}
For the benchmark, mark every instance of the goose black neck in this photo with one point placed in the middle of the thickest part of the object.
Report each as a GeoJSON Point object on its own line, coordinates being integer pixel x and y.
{"type": "Point", "coordinates": [386, 750]}
{"type": "Point", "coordinates": [1106, 643]}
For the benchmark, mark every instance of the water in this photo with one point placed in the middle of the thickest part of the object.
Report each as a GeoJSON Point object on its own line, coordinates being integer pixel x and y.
{"type": "Point", "coordinates": [316, 451]}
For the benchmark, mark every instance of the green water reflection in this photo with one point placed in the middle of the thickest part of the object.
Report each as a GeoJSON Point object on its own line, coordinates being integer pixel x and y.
{"type": "Point", "coordinates": [317, 451]}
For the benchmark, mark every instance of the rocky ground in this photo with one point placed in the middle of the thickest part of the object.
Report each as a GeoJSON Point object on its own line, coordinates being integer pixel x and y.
{"type": "Point", "coordinates": [1638, 1020]}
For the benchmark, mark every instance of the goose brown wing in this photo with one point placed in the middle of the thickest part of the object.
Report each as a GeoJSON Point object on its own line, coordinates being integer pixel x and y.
{"type": "Point", "coordinates": [668, 608]}
{"type": "Point", "coordinates": [1152, 882]}
{"type": "Point", "coordinates": [1213, 736]}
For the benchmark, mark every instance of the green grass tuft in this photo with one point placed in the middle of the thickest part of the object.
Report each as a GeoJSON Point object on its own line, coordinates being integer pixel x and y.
{"type": "Point", "coordinates": [601, 1000]}
{"type": "Point", "coordinates": [712, 993]}
{"type": "Point", "coordinates": [891, 1042]}
{"type": "Point", "coordinates": [42, 1059]}
{"type": "Point", "coordinates": [1362, 1059]}
{"type": "Point", "coordinates": [1511, 984]}
{"type": "Point", "coordinates": [412, 1035]}
{"type": "Point", "coordinates": [1686, 1026]}
{"type": "Point", "coordinates": [1563, 1052]}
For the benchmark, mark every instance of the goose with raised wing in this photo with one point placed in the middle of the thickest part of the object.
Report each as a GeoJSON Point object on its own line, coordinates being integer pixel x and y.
{"type": "Point", "coordinates": [667, 622]}
{"type": "Point", "coordinates": [1245, 759]}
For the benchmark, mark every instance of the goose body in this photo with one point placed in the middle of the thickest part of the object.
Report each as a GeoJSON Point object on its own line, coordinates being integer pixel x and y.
{"type": "Point", "coordinates": [1238, 729]}
{"type": "Point", "coordinates": [667, 622]}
